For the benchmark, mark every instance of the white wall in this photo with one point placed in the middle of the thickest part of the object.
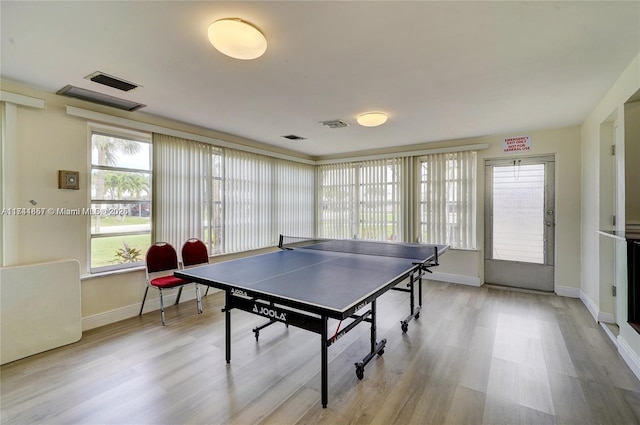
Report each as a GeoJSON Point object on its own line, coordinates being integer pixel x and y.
{"type": "Point", "coordinates": [611, 106]}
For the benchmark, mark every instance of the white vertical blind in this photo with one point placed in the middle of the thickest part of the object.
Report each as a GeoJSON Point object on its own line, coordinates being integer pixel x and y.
{"type": "Point", "coordinates": [380, 199]}
{"type": "Point", "coordinates": [240, 201]}
{"type": "Point", "coordinates": [293, 194]}
{"type": "Point", "coordinates": [233, 200]}
{"type": "Point", "coordinates": [247, 201]}
{"type": "Point", "coordinates": [447, 199]}
{"type": "Point", "coordinates": [181, 169]}
{"type": "Point", "coordinates": [337, 201]}
{"type": "Point", "coordinates": [410, 184]}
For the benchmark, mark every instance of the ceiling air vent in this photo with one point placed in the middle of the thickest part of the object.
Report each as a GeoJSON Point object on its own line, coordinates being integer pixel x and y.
{"type": "Point", "coordinates": [102, 99]}
{"type": "Point", "coordinates": [293, 137]}
{"type": "Point", "coordinates": [334, 124]}
{"type": "Point", "coordinates": [111, 81]}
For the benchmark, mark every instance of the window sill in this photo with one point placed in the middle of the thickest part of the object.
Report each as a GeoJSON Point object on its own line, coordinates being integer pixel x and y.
{"type": "Point", "coordinates": [89, 276]}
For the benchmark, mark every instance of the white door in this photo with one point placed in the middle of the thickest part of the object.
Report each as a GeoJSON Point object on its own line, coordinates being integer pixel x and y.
{"type": "Point", "coordinates": [520, 222]}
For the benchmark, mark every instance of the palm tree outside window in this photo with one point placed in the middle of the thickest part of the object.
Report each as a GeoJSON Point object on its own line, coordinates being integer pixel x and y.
{"type": "Point", "coordinates": [120, 211]}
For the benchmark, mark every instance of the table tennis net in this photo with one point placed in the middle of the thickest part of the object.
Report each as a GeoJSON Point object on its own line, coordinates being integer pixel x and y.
{"type": "Point", "coordinates": [412, 251]}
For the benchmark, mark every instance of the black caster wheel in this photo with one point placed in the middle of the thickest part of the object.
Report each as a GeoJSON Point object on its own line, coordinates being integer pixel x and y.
{"type": "Point", "coordinates": [417, 315]}
{"type": "Point", "coordinates": [405, 327]}
{"type": "Point", "coordinates": [359, 371]}
{"type": "Point", "coordinates": [381, 352]}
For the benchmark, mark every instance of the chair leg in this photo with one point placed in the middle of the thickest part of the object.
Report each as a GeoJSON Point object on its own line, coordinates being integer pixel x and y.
{"type": "Point", "coordinates": [198, 299]}
{"type": "Point", "coordinates": [143, 300]}
{"type": "Point", "coordinates": [161, 307]}
{"type": "Point", "coordinates": [178, 297]}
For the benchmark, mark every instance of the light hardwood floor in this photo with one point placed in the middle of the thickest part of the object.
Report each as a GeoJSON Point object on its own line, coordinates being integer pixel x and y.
{"type": "Point", "coordinates": [475, 356]}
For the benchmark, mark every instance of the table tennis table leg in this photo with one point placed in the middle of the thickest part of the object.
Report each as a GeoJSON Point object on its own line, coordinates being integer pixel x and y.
{"type": "Point", "coordinates": [324, 372]}
{"type": "Point", "coordinates": [374, 329]}
{"type": "Point", "coordinates": [415, 310]}
{"type": "Point", "coordinates": [227, 323]}
{"type": "Point", "coordinates": [412, 299]}
{"type": "Point", "coordinates": [419, 293]}
{"type": "Point", "coordinates": [376, 347]}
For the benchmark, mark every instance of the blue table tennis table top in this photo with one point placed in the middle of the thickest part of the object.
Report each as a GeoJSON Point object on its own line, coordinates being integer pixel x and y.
{"type": "Point", "coordinates": [322, 280]}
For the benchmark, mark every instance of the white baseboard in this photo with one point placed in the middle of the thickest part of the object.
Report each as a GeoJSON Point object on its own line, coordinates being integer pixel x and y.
{"type": "Point", "coordinates": [598, 316]}
{"type": "Point", "coordinates": [590, 304]}
{"type": "Point", "coordinates": [567, 291]}
{"type": "Point", "coordinates": [606, 318]}
{"type": "Point", "coordinates": [612, 337]}
{"type": "Point", "coordinates": [122, 313]}
{"type": "Point", "coordinates": [454, 278]}
{"type": "Point", "coordinates": [630, 357]}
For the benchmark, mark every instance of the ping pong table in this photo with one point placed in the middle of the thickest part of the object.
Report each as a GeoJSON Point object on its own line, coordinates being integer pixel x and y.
{"type": "Point", "coordinates": [309, 281]}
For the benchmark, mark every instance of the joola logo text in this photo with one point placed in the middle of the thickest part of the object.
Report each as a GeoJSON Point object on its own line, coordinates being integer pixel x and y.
{"type": "Point", "coordinates": [359, 306]}
{"type": "Point", "coordinates": [269, 312]}
{"type": "Point", "coordinates": [235, 291]}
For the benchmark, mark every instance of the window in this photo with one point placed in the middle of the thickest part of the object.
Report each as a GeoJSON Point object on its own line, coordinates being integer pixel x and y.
{"type": "Point", "coordinates": [360, 200]}
{"type": "Point", "coordinates": [120, 209]}
{"type": "Point", "coordinates": [233, 200]}
{"type": "Point", "coordinates": [263, 197]}
{"type": "Point", "coordinates": [447, 199]}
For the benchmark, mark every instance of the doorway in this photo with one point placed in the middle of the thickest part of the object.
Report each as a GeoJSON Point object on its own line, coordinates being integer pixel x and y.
{"type": "Point", "coordinates": [520, 222]}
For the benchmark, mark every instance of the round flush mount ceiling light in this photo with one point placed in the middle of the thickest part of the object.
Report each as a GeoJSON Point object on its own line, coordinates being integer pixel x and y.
{"type": "Point", "coordinates": [237, 38]}
{"type": "Point", "coordinates": [372, 119]}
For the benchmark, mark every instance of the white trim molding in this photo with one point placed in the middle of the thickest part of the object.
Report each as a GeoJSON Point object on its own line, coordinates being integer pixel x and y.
{"type": "Point", "coordinates": [22, 100]}
{"type": "Point", "coordinates": [590, 304]}
{"type": "Point", "coordinates": [629, 356]}
{"type": "Point", "coordinates": [113, 316]}
{"type": "Point", "coordinates": [567, 291]}
{"type": "Point", "coordinates": [606, 318]}
{"type": "Point", "coordinates": [598, 316]}
{"type": "Point", "coordinates": [100, 117]}
{"type": "Point", "coordinates": [462, 148]}
{"type": "Point", "coordinates": [454, 278]}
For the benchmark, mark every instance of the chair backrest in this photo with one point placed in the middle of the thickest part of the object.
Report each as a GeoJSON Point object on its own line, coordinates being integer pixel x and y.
{"type": "Point", "coordinates": [194, 251]}
{"type": "Point", "coordinates": [161, 256]}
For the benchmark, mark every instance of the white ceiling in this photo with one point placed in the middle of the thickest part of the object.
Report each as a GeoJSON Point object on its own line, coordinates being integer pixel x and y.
{"type": "Point", "coordinates": [441, 70]}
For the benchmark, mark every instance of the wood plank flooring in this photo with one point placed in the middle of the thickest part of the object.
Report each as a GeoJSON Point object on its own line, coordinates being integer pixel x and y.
{"type": "Point", "coordinates": [475, 356]}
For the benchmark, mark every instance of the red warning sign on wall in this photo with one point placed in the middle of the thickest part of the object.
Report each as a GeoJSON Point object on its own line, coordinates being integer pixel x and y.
{"type": "Point", "coordinates": [516, 144]}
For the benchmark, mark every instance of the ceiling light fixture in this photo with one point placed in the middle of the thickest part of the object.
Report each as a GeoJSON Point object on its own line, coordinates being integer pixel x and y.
{"type": "Point", "coordinates": [237, 38]}
{"type": "Point", "coordinates": [372, 119]}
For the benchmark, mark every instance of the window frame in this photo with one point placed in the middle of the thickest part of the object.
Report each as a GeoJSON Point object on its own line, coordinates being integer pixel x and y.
{"type": "Point", "coordinates": [354, 200]}
{"type": "Point", "coordinates": [111, 206]}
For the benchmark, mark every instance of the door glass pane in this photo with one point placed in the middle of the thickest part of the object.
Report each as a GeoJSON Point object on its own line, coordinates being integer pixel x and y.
{"type": "Point", "coordinates": [518, 213]}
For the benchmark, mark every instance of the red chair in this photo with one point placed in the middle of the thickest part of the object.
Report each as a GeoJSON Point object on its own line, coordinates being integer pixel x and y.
{"type": "Point", "coordinates": [162, 258]}
{"type": "Point", "coordinates": [194, 253]}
